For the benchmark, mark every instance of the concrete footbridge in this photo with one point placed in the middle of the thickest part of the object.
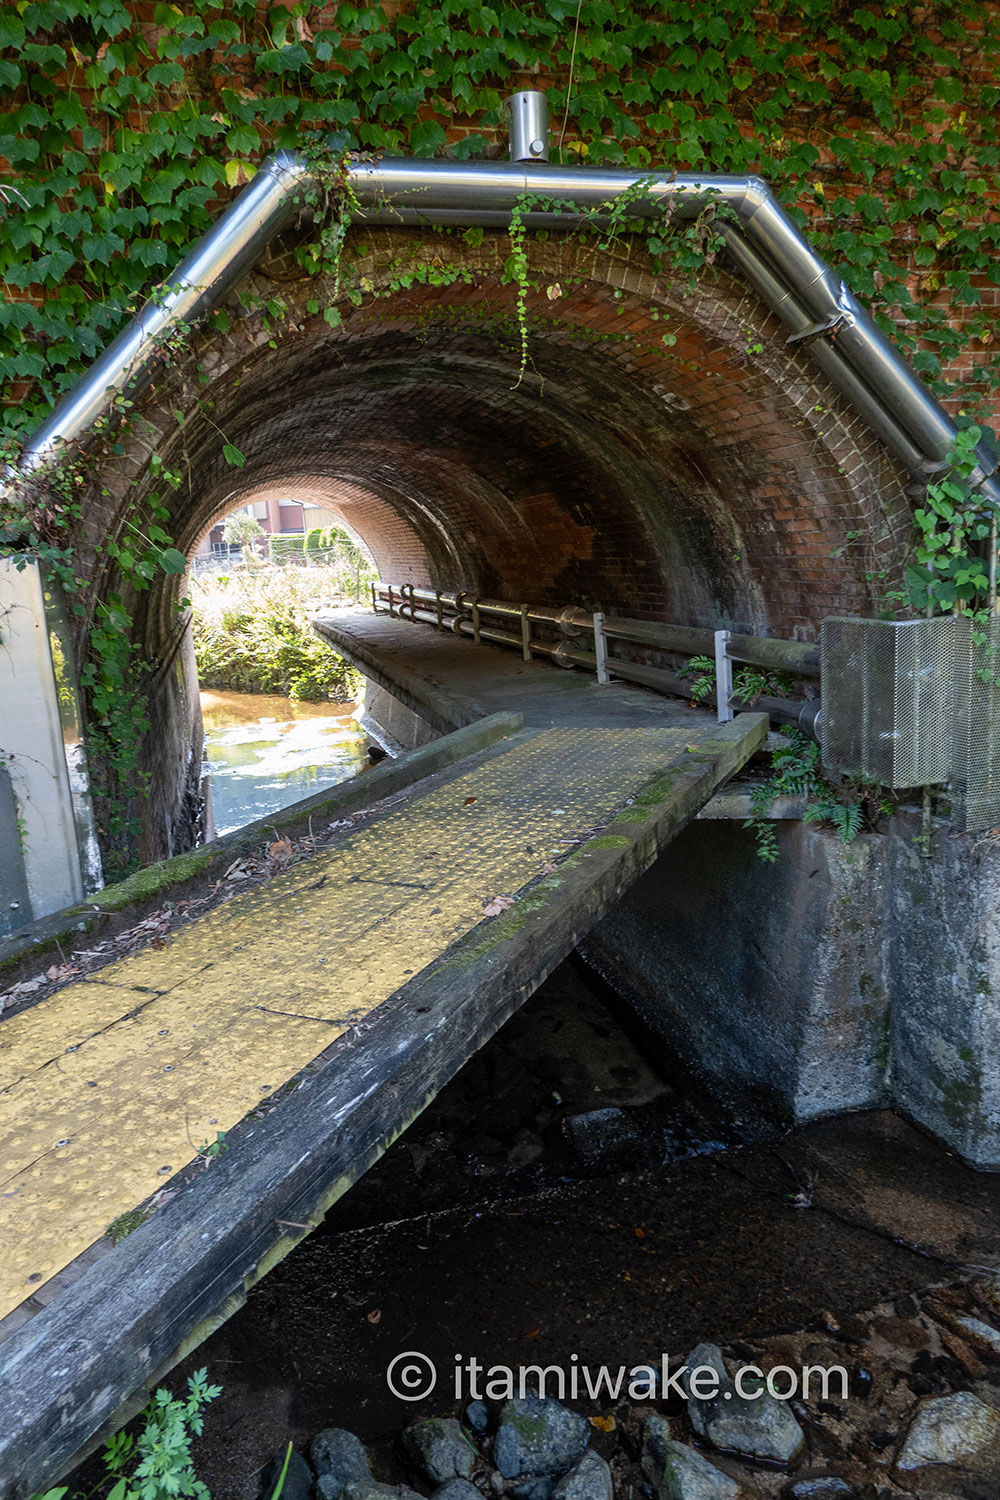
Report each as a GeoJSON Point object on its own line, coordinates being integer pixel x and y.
{"type": "Point", "coordinates": [233, 1078]}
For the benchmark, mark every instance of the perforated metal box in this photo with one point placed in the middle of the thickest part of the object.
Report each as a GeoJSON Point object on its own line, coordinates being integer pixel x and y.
{"type": "Point", "coordinates": [975, 775]}
{"type": "Point", "coordinates": [889, 699]}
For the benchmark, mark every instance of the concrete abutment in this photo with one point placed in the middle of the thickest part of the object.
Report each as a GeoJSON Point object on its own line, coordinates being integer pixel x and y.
{"type": "Point", "coordinates": [841, 977]}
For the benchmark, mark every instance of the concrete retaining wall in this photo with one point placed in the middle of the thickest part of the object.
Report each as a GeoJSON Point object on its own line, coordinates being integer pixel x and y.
{"type": "Point", "coordinates": [841, 977]}
{"type": "Point", "coordinates": [838, 978]}
{"type": "Point", "coordinates": [769, 978]}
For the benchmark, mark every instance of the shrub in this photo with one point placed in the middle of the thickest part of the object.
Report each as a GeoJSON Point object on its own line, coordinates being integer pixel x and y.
{"type": "Point", "coordinates": [285, 547]}
{"type": "Point", "coordinates": [252, 632]}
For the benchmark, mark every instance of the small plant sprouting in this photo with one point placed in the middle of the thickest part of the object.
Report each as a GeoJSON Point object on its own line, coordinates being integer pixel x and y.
{"type": "Point", "coordinates": [119, 1229]}
{"type": "Point", "coordinates": [748, 682]}
{"type": "Point", "coordinates": [796, 770]}
{"type": "Point", "coordinates": [210, 1150]}
{"type": "Point", "coordinates": [156, 1463]}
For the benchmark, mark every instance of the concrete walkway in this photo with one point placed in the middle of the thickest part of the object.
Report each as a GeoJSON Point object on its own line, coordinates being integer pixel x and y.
{"type": "Point", "coordinates": [420, 665]}
{"type": "Point", "coordinates": [306, 1022]}
{"type": "Point", "coordinates": [112, 1085]}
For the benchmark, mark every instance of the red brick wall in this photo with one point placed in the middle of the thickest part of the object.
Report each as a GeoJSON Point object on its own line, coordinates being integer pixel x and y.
{"type": "Point", "coordinates": [698, 482]}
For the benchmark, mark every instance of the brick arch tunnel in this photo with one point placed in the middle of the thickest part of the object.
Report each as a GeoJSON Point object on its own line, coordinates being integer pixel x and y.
{"type": "Point", "coordinates": [710, 477]}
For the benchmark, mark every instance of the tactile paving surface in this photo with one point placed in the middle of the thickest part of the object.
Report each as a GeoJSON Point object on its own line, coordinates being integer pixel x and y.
{"type": "Point", "coordinates": [110, 1087]}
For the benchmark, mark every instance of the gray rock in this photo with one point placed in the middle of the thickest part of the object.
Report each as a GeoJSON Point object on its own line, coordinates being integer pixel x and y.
{"type": "Point", "coordinates": [339, 1458]}
{"type": "Point", "coordinates": [298, 1483]}
{"type": "Point", "coordinates": [822, 1487]}
{"type": "Point", "coordinates": [538, 1437]}
{"type": "Point", "coordinates": [371, 1489]}
{"type": "Point", "coordinates": [656, 1442]}
{"type": "Point", "coordinates": [600, 1134]}
{"type": "Point", "coordinates": [588, 1479]}
{"type": "Point", "coordinates": [949, 1430]}
{"type": "Point", "coordinates": [980, 1332]}
{"type": "Point", "coordinates": [679, 1472]}
{"type": "Point", "coordinates": [439, 1447]}
{"type": "Point", "coordinates": [535, 1489]}
{"type": "Point", "coordinates": [756, 1427]}
{"type": "Point", "coordinates": [457, 1489]}
{"type": "Point", "coordinates": [477, 1414]}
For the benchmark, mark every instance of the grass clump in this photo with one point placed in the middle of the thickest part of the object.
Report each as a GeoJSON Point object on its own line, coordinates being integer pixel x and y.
{"type": "Point", "coordinates": [252, 633]}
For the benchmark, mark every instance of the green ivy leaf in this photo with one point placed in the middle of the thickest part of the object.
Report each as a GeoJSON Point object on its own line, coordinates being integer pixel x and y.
{"type": "Point", "coordinates": [233, 456]}
{"type": "Point", "coordinates": [173, 561]}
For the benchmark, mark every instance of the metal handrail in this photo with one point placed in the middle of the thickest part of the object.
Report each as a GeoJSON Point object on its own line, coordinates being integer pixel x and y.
{"type": "Point", "coordinates": [467, 614]}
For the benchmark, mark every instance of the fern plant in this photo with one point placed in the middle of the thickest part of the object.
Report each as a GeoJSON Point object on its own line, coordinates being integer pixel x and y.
{"type": "Point", "coordinates": [748, 682]}
{"type": "Point", "coordinates": [796, 770]}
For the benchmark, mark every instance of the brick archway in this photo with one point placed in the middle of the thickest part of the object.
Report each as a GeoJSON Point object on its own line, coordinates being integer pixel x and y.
{"type": "Point", "coordinates": [712, 478]}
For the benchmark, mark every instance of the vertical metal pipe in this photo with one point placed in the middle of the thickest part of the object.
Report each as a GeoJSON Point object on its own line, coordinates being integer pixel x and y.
{"type": "Point", "coordinates": [526, 632]}
{"type": "Point", "coordinates": [600, 648]}
{"type": "Point", "coordinates": [528, 116]}
{"type": "Point", "coordinates": [723, 677]}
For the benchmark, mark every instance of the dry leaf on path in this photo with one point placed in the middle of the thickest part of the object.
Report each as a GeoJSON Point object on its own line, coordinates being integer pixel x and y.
{"type": "Point", "coordinates": [498, 904]}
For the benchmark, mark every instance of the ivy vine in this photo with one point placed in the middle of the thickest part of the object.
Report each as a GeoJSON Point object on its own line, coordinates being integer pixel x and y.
{"type": "Point", "coordinates": [123, 135]}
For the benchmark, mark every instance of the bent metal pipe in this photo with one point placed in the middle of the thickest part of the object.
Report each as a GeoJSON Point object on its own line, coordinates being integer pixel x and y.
{"type": "Point", "coordinates": [763, 244]}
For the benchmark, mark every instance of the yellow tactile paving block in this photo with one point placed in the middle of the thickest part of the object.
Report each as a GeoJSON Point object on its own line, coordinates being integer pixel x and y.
{"type": "Point", "coordinates": [109, 1088]}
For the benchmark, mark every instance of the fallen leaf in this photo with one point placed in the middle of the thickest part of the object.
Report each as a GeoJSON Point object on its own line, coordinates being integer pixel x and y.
{"type": "Point", "coordinates": [303, 30]}
{"type": "Point", "coordinates": [548, 868]}
{"type": "Point", "coordinates": [640, 1234]}
{"type": "Point", "coordinates": [468, 801]}
{"type": "Point", "coordinates": [375, 1316]}
{"type": "Point", "coordinates": [282, 849]}
{"type": "Point", "coordinates": [531, 1333]}
{"type": "Point", "coordinates": [604, 1424]}
{"type": "Point", "coordinates": [496, 906]}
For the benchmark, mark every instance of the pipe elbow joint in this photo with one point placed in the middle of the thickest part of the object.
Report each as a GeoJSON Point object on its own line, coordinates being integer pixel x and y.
{"type": "Point", "coordinates": [290, 169]}
{"type": "Point", "coordinates": [757, 194]}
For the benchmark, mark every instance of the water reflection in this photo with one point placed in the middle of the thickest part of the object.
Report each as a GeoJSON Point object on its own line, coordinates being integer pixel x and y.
{"type": "Point", "coordinates": [264, 752]}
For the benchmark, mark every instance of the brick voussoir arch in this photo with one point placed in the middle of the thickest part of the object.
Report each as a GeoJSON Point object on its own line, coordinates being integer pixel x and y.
{"type": "Point", "coordinates": [722, 455]}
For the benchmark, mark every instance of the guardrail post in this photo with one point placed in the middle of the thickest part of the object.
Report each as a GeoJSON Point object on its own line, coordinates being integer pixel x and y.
{"type": "Point", "coordinates": [525, 633]}
{"type": "Point", "coordinates": [723, 677]}
{"type": "Point", "coordinates": [475, 621]}
{"type": "Point", "coordinates": [601, 648]}
{"type": "Point", "coordinates": [440, 609]}
{"type": "Point", "coordinates": [374, 600]}
{"type": "Point", "coordinates": [390, 598]}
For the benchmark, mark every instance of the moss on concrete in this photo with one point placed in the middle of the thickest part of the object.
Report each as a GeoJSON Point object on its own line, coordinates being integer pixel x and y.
{"type": "Point", "coordinates": [152, 880]}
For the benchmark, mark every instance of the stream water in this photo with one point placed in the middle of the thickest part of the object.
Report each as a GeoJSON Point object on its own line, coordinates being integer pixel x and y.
{"type": "Point", "coordinates": [263, 752]}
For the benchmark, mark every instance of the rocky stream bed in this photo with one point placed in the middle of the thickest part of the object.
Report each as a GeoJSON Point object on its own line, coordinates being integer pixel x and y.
{"type": "Point", "coordinates": [572, 1198]}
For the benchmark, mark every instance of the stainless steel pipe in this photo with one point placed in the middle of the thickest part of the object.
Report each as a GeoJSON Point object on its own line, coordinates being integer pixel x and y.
{"type": "Point", "coordinates": [762, 242]}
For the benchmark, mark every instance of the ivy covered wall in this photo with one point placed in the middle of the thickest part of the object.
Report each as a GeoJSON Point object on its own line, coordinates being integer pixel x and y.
{"type": "Point", "coordinates": [126, 126]}
{"type": "Point", "coordinates": [695, 473]}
